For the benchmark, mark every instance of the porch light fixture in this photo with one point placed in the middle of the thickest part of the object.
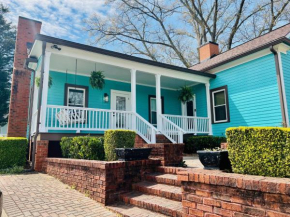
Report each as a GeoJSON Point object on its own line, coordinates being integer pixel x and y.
{"type": "Point", "coordinates": [106, 97]}
{"type": "Point", "coordinates": [55, 47]}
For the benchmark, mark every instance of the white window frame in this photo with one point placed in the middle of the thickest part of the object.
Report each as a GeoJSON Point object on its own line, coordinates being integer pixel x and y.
{"type": "Point", "coordinates": [76, 88]}
{"type": "Point", "coordinates": [213, 106]}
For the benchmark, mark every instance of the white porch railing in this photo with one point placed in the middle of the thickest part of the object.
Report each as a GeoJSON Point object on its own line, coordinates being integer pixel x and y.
{"type": "Point", "coordinates": [190, 124]}
{"type": "Point", "coordinates": [90, 119]}
{"type": "Point", "coordinates": [173, 132]}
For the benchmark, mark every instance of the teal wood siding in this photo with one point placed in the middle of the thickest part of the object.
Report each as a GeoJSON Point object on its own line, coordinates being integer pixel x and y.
{"type": "Point", "coordinates": [286, 72]}
{"type": "Point", "coordinates": [56, 94]}
{"type": "Point", "coordinates": [253, 94]}
{"type": "Point", "coordinates": [200, 94]}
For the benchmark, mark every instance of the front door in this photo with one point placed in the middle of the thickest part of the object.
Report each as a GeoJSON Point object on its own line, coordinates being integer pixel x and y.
{"type": "Point", "coordinates": [120, 101]}
{"type": "Point", "coordinates": [189, 108]}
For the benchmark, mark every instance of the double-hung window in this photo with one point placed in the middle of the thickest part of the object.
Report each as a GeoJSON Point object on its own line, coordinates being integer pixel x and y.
{"type": "Point", "coordinates": [153, 109]}
{"type": "Point", "coordinates": [220, 105]}
{"type": "Point", "coordinates": [76, 96]}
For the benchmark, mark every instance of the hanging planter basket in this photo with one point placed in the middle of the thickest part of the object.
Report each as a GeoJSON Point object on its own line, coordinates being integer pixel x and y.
{"type": "Point", "coordinates": [37, 81]}
{"type": "Point", "coordinates": [185, 94]}
{"type": "Point", "coordinates": [97, 80]}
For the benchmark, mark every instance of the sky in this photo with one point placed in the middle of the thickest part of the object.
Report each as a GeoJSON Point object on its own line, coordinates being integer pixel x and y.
{"type": "Point", "coordinates": [60, 18]}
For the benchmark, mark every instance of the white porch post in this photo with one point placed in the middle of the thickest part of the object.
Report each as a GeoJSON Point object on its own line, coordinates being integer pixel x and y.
{"type": "Point", "coordinates": [44, 91]}
{"type": "Point", "coordinates": [208, 107]}
{"type": "Point", "coordinates": [158, 102]}
{"type": "Point", "coordinates": [133, 97]}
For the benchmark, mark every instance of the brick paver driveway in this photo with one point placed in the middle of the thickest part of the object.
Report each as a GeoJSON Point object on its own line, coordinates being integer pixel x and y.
{"type": "Point", "coordinates": [36, 194]}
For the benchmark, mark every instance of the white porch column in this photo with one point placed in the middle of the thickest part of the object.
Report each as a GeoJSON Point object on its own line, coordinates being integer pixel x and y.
{"type": "Point", "coordinates": [44, 91]}
{"type": "Point", "coordinates": [133, 96]}
{"type": "Point", "coordinates": [208, 107]}
{"type": "Point", "coordinates": [158, 102]}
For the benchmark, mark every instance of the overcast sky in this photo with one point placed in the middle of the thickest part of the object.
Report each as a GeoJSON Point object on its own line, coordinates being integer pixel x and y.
{"type": "Point", "coordinates": [60, 18]}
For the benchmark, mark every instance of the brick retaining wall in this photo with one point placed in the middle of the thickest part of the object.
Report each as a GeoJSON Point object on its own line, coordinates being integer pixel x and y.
{"type": "Point", "coordinates": [169, 154]}
{"type": "Point", "coordinates": [214, 193]}
{"type": "Point", "coordinates": [102, 181]}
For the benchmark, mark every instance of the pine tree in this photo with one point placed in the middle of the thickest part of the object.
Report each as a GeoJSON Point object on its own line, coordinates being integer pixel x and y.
{"type": "Point", "coordinates": [7, 43]}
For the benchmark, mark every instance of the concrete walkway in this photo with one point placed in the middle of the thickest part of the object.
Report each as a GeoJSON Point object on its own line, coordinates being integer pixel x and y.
{"type": "Point", "coordinates": [192, 161]}
{"type": "Point", "coordinates": [36, 194]}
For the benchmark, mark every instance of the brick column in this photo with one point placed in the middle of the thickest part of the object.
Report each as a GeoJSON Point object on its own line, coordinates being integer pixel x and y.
{"type": "Point", "coordinates": [41, 154]}
{"type": "Point", "coordinates": [20, 87]}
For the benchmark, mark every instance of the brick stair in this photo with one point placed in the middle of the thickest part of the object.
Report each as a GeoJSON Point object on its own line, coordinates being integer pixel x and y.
{"type": "Point", "coordinates": [163, 178]}
{"type": "Point", "coordinates": [158, 195]}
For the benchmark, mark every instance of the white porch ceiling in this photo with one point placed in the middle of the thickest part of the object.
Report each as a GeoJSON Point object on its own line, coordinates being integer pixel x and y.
{"type": "Point", "coordinates": [62, 63]}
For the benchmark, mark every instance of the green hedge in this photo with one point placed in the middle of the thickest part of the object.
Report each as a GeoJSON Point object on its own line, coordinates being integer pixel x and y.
{"type": "Point", "coordinates": [261, 151]}
{"type": "Point", "coordinates": [195, 143]}
{"type": "Point", "coordinates": [83, 147]}
{"type": "Point", "coordinates": [118, 139]}
{"type": "Point", "coordinates": [12, 152]}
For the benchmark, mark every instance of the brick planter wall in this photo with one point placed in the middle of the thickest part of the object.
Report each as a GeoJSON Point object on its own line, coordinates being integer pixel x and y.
{"type": "Point", "coordinates": [169, 154]}
{"type": "Point", "coordinates": [41, 154]}
{"type": "Point", "coordinates": [214, 193]}
{"type": "Point", "coordinates": [102, 181]}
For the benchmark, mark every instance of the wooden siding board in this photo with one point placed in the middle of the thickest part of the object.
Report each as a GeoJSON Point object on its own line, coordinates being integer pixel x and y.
{"type": "Point", "coordinates": [253, 94]}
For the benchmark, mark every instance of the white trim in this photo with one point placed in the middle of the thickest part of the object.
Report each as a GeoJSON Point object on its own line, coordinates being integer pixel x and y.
{"type": "Point", "coordinates": [213, 106]}
{"type": "Point", "coordinates": [158, 101]}
{"type": "Point", "coordinates": [109, 60]}
{"type": "Point", "coordinates": [76, 88]}
{"type": "Point", "coordinates": [113, 100]}
{"type": "Point", "coordinates": [46, 60]}
{"type": "Point", "coordinates": [184, 108]}
{"type": "Point", "coordinates": [207, 89]}
{"type": "Point", "coordinates": [240, 61]}
{"type": "Point", "coordinates": [283, 88]}
{"type": "Point", "coordinates": [118, 80]}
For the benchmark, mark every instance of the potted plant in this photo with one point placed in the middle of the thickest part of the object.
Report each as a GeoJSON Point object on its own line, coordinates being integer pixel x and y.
{"type": "Point", "coordinates": [216, 158]}
{"type": "Point", "coordinates": [185, 94]}
{"type": "Point", "coordinates": [97, 80]}
{"type": "Point", "coordinates": [129, 154]}
{"type": "Point", "coordinates": [37, 81]}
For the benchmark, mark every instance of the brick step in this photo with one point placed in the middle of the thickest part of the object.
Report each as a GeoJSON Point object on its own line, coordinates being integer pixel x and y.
{"type": "Point", "coordinates": [169, 169]}
{"type": "Point", "coordinates": [161, 190]}
{"type": "Point", "coordinates": [129, 210]}
{"type": "Point", "coordinates": [168, 179]}
{"type": "Point", "coordinates": [154, 203]}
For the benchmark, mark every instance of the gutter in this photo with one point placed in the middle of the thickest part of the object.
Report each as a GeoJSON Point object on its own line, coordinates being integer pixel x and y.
{"type": "Point", "coordinates": [280, 87]}
{"type": "Point", "coordinates": [27, 61]}
{"type": "Point", "coordinates": [38, 105]}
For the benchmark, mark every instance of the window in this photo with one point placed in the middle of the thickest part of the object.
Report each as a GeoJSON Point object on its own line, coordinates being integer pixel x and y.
{"type": "Point", "coordinates": [220, 105]}
{"type": "Point", "coordinates": [76, 95]}
{"type": "Point", "coordinates": [153, 109]}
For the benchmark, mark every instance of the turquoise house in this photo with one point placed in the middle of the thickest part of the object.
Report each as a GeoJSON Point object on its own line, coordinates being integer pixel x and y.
{"type": "Point", "coordinates": [245, 86]}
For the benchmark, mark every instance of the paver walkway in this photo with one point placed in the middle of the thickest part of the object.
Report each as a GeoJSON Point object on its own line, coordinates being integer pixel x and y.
{"type": "Point", "coordinates": [36, 194]}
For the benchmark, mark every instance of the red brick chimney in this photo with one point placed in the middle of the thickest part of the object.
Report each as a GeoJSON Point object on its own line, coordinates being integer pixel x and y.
{"type": "Point", "coordinates": [208, 50]}
{"type": "Point", "coordinates": [20, 87]}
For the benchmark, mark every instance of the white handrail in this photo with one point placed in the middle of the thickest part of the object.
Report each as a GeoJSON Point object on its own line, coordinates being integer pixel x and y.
{"type": "Point", "coordinates": [90, 119]}
{"type": "Point", "coordinates": [190, 124]}
{"type": "Point", "coordinates": [173, 132]}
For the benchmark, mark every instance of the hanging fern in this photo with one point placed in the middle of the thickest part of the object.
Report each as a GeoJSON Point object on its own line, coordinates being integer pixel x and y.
{"type": "Point", "coordinates": [185, 94]}
{"type": "Point", "coordinates": [37, 81]}
{"type": "Point", "coordinates": [97, 80]}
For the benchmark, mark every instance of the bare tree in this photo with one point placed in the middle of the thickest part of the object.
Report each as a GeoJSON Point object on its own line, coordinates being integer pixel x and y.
{"type": "Point", "coordinates": [170, 30]}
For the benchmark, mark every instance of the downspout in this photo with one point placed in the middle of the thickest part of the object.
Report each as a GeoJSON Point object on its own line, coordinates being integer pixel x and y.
{"type": "Point", "coordinates": [38, 105]}
{"type": "Point", "coordinates": [280, 88]}
{"type": "Point", "coordinates": [27, 61]}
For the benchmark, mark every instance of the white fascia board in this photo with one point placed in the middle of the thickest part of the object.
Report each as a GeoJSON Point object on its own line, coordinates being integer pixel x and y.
{"type": "Point", "coordinates": [127, 64]}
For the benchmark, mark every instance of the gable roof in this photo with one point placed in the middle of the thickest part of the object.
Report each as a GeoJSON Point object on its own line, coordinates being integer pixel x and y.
{"type": "Point", "coordinates": [75, 45]}
{"type": "Point", "coordinates": [277, 36]}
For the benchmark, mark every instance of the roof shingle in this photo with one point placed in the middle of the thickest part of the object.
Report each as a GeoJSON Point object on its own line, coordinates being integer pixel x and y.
{"type": "Point", "coordinates": [251, 45]}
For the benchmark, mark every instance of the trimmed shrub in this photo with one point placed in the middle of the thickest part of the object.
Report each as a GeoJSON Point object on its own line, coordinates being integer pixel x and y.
{"type": "Point", "coordinates": [83, 147]}
{"type": "Point", "coordinates": [117, 139]}
{"type": "Point", "coordinates": [12, 152]}
{"type": "Point", "coordinates": [261, 151]}
{"type": "Point", "coordinates": [195, 143]}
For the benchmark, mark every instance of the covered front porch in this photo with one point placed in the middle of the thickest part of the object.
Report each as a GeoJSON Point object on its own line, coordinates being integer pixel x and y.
{"type": "Point", "coordinates": [135, 96]}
